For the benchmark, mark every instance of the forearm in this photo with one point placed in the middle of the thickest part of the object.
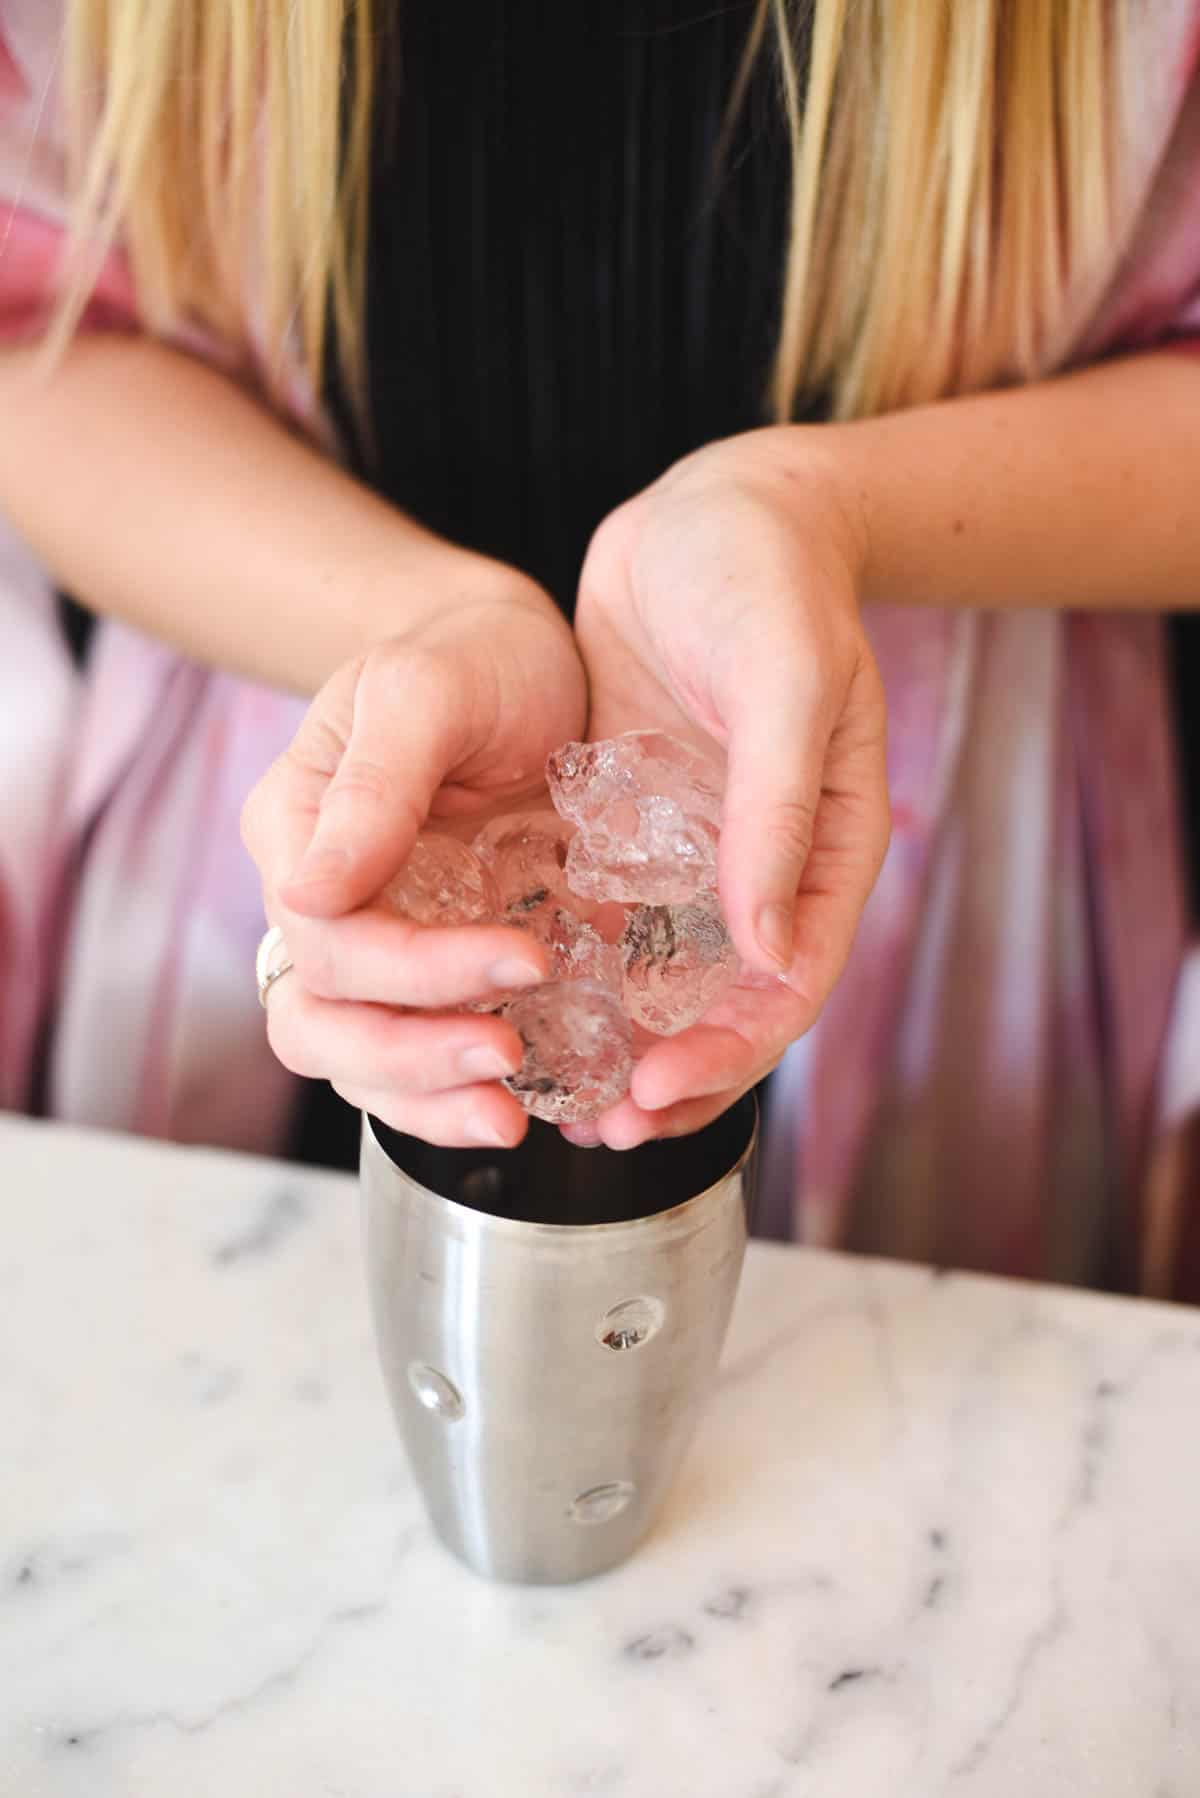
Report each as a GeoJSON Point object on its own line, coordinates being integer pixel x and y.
{"type": "Point", "coordinates": [1083, 492]}
{"type": "Point", "coordinates": [159, 492]}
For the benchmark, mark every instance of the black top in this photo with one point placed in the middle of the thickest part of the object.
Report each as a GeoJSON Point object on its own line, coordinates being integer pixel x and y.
{"type": "Point", "coordinates": [565, 292]}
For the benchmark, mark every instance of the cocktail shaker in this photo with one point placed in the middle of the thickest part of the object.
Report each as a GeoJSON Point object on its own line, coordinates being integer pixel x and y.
{"type": "Point", "coordinates": [549, 1320]}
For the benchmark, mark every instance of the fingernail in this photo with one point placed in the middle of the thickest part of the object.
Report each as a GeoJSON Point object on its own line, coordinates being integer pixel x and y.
{"type": "Point", "coordinates": [323, 864]}
{"type": "Point", "coordinates": [487, 1135]}
{"type": "Point", "coordinates": [515, 973]}
{"type": "Point", "coordinates": [635, 1139]}
{"type": "Point", "coordinates": [582, 1136]}
{"type": "Point", "coordinates": [661, 1103]}
{"type": "Point", "coordinates": [482, 1062]}
{"type": "Point", "coordinates": [775, 928]}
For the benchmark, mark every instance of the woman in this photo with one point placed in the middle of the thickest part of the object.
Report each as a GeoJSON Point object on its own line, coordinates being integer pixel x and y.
{"type": "Point", "coordinates": [979, 197]}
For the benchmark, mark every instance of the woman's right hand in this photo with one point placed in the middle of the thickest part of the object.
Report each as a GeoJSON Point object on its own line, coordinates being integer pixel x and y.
{"type": "Point", "coordinates": [449, 721]}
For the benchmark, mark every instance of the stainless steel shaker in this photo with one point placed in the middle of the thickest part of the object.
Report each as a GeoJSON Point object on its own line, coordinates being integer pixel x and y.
{"type": "Point", "coordinates": [549, 1320]}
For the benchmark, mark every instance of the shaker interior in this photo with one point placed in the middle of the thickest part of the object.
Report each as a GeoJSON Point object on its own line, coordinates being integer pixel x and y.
{"type": "Point", "coordinates": [547, 1180]}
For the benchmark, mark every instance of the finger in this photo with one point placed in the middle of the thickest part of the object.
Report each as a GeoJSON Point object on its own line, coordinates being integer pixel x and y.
{"type": "Point", "coordinates": [470, 1118]}
{"type": "Point", "coordinates": [374, 955]}
{"type": "Point", "coordinates": [851, 841]}
{"type": "Point", "coordinates": [582, 1136]}
{"type": "Point", "coordinates": [378, 1047]}
{"type": "Point", "coordinates": [403, 735]}
{"type": "Point", "coordinates": [627, 1126]}
{"type": "Point", "coordinates": [814, 813]}
{"type": "Point", "coordinates": [779, 731]}
{"type": "Point", "coordinates": [702, 1061]}
{"type": "Point", "coordinates": [278, 818]}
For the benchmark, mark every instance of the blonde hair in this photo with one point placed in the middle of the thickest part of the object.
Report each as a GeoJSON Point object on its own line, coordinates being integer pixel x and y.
{"type": "Point", "coordinates": [226, 143]}
{"type": "Point", "coordinates": [955, 209]}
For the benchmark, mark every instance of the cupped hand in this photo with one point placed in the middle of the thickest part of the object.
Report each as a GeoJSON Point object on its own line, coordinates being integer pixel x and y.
{"type": "Point", "coordinates": [721, 605]}
{"type": "Point", "coordinates": [443, 723]}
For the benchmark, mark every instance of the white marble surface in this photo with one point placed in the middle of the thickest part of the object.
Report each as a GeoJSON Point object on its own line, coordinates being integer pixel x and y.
{"type": "Point", "coordinates": [935, 1536]}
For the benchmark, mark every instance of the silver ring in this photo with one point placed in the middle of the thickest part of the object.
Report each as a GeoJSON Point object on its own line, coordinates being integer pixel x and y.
{"type": "Point", "coordinates": [271, 963]}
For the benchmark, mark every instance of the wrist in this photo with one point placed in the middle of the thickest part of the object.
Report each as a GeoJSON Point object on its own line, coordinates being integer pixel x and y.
{"type": "Point", "coordinates": [409, 582]}
{"type": "Point", "coordinates": [820, 479]}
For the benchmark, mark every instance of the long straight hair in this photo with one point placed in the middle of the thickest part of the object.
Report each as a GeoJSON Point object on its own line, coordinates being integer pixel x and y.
{"type": "Point", "coordinates": [226, 145]}
{"type": "Point", "coordinates": [956, 205]}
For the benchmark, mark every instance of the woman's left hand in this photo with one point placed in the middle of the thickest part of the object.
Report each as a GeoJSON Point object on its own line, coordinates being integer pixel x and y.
{"type": "Point", "coordinates": [721, 604]}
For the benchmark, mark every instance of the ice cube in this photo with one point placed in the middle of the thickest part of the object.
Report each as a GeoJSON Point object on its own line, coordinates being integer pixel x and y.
{"type": "Point", "coordinates": [647, 811]}
{"type": "Point", "coordinates": [678, 960]}
{"type": "Point", "coordinates": [581, 953]}
{"type": "Point", "coordinates": [578, 1059]}
{"type": "Point", "coordinates": [442, 882]}
{"type": "Point", "coordinates": [526, 853]}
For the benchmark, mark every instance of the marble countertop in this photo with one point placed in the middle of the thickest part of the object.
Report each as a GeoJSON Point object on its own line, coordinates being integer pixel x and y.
{"type": "Point", "coordinates": [935, 1536]}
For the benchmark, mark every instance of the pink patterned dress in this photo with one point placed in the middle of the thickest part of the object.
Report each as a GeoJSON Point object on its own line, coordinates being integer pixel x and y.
{"type": "Point", "coordinates": [1007, 1072]}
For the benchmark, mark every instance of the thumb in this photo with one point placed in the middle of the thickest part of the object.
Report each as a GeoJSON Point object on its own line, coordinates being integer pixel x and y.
{"type": "Point", "coordinates": [777, 743]}
{"type": "Point", "coordinates": [807, 829]}
{"type": "Point", "coordinates": [401, 742]}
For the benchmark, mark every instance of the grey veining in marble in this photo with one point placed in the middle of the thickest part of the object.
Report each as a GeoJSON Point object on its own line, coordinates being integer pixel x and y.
{"type": "Point", "coordinates": [937, 1536]}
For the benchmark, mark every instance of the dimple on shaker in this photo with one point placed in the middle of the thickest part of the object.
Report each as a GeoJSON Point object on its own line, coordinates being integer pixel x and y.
{"type": "Point", "coordinates": [549, 1321]}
